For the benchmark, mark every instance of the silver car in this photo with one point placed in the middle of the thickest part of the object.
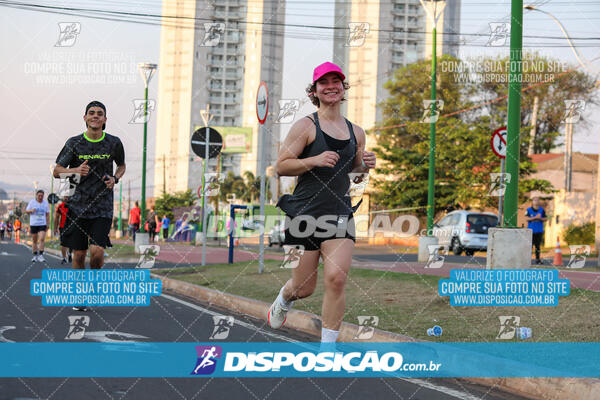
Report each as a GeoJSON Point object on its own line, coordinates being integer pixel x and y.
{"type": "Point", "coordinates": [277, 235]}
{"type": "Point", "coordinates": [465, 231]}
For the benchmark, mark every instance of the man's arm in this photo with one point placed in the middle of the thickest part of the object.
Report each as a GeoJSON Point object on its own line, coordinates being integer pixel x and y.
{"type": "Point", "coordinates": [110, 182]}
{"type": "Point", "coordinates": [82, 170]}
{"type": "Point", "coordinates": [56, 219]}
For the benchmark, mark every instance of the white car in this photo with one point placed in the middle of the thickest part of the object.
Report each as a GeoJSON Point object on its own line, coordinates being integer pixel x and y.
{"type": "Point", "coordinates": [277, 235]}
{"type": "Point", "coordinates": [465, 231]}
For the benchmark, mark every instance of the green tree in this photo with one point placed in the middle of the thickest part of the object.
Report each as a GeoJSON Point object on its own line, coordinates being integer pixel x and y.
{"type": "Point", "coordinates": [565, 83]}
{"type": "Point", "coordinates": [464, 160]}
{"type": "Point", "coordinates": [166, 202]}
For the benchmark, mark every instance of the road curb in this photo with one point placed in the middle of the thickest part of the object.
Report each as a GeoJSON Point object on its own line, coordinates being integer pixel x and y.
{"type": "Point", "coordinates": [533, 388]}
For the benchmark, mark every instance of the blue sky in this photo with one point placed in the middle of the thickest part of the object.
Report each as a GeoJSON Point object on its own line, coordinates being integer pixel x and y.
{"type": "Point", "coordinates": [39, 115]}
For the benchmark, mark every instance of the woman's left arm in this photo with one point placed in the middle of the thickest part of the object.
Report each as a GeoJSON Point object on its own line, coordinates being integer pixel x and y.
{"type": "Point", "coordinates": [364, 160]}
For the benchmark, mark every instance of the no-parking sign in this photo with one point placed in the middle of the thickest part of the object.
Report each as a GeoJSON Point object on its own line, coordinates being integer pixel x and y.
{"type": "Point", "coordinates": [499, 142]}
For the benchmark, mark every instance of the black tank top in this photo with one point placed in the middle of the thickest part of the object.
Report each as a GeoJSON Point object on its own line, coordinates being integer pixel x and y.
{"type": "Point", "coordinates": [322, 190]}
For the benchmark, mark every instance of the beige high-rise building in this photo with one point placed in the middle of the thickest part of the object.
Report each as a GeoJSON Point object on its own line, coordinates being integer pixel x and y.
{"type": "Point", "coordinates": [381, 37]}
{"type": "Point", "coordinates": [215, 54]}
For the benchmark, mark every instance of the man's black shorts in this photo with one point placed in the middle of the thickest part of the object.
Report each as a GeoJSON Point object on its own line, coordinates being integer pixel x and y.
{"type": "Point", "coordinates": [38, 229]}
{"type": "Point", "coordinates": [79, 233]}
{"type": "Point", "coordinates": [311, 236]}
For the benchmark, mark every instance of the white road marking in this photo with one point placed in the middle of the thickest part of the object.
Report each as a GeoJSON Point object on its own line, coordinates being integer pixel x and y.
{"type": "Point", "coordinates": [2, 338]}
{"type": "Point", "coordinates": [241, 323]}
{"type": "Point", "coordinates": [419, 382]}
{"type": "Point", "coordinates": [102, 336]}
{"type": "Point", "coordinates": [443, 389]}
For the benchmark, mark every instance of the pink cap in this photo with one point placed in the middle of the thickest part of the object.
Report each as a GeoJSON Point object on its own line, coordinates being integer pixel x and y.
{"type": "Point", "coordinates": [326, 68]}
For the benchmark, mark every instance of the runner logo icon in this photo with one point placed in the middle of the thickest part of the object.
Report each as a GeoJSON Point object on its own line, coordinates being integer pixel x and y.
{"type": "Point", "coordinates": [207, 359]}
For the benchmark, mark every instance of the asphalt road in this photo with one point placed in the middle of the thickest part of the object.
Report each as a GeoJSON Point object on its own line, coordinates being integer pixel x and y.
{"type": "Point", "coordinates": [172, 319]}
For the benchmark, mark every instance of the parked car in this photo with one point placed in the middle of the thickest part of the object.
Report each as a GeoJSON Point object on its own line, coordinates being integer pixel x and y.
{"type": "Point", "coordinates": [465, 231]}
{"type": "Point", "coordinates": [277, 234]}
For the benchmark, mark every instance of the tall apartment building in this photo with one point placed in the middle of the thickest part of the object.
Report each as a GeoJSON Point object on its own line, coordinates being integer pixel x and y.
{"type": "Point", "coordinates": [396, 33]}
{"type": "Point", "coordinates": [216, 53]}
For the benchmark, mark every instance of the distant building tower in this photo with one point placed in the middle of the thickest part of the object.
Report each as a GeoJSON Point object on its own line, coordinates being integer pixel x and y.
{"type": "Point", "coordinates": [398, 33]}
{"type": "Point", "coordinates": [216, 55]}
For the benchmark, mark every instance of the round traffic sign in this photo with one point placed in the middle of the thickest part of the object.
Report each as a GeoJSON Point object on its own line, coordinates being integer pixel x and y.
{"type": "Point", "coordinates": [499, 142]}
{"type": "Point", "coordinates": [215, 142]}
{"type": "Point", "coordinates": [53, 198]}
{"type": "Point", "coordinates": [262, 102]}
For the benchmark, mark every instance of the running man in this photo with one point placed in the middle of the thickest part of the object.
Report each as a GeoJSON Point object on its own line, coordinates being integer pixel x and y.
{"type": "Point", "coordinates": [91, 155]}
{"type": "Point", "coordinates": [322, 162]}
{"type": "Point", "coordinates": [536, 216]}
{"type": "Point", "coordinates": [59, 223]}
{"type": "Point", "coordinates": [39, 211]}
{"type": "Point", "coordinates": [134, 220]}
{"type": "Point", "coordinates": [2, 229]}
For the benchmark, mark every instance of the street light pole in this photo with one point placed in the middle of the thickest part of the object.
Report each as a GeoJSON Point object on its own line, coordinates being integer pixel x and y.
{"type": "Point", "coordinates": [511, 198]}
{"type": "Point", "coordinates": [568, 156]}
{"type": "Point", "coordinates": [434, 14]}
{"type": "Point", "coordinates": [147, 71]}
{"type": "Point", "coordinates": [206, 118]}
{"type": "Point", "coordinates": [564, 31]}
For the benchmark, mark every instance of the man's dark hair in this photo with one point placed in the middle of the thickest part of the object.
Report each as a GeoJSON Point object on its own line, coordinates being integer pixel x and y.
{"type": "Point", "coordinates": [312, 89]}
{"type": "Point", "coordinates": [38, 191]}
{"type": "Point", "coordinates": [96, 103]}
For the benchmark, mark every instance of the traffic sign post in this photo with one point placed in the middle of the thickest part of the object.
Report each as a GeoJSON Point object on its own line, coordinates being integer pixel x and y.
{"type": "Point", "coordinates": [499, 148]}
{"type": "Point", "coordinates": [206, 143]}
{"type": "Point", "coordinates": [262, 107]}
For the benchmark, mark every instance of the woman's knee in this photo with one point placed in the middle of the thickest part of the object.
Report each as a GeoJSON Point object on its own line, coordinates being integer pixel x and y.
{"type": "Point", "coordinates": [335, 282]}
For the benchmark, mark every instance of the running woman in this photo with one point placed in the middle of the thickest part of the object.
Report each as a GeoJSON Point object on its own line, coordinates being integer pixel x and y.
{"type": "Point", "coordinates": [91, 155]}
{"type": "Point", "coordinates": [321, 149]}
{"type": "Point", "coordinates": [39, 211]}
{"type": "Point", "coordinates": [59, 223]}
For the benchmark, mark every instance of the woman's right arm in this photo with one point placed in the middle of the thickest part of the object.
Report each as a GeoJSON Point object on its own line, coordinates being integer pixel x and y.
{"type": "Point", "coordinates": [288, 163]}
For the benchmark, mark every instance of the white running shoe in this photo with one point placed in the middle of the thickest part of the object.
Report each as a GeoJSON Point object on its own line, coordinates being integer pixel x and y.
{"type": "Point", "coordinates": [41, 258]}
{"type": "Point", "coordinates": [34, 258]}
{"type": "Point", "coordinates": [277, 315]}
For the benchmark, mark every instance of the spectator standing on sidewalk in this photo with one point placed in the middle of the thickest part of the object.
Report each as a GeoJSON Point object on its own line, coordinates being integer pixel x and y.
{"type": "Point", "coordinates": [536, 216]}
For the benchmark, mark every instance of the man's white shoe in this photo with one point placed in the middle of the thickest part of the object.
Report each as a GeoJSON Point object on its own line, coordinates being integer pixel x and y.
{"type": "Point", "coordinates": [34, 258]}
{"type": "Point", "coordinates": [276, 315]}
{"type": "Point", "coordinates": [41, 258]}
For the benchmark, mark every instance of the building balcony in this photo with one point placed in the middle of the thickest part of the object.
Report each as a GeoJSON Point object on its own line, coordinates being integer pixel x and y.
{"type": "Point", "coordinates": [232, 37]}
{"type": "Point", "coordinates": [398, 59]}
{"type": "Point", "coordinates": [229, 14]}
{"type": "Point", "coordinates": [216, 111]}
{"type": "Point", "coordinates": [222, 100]}
{"type": "Point", "coordinates": [227, 75]}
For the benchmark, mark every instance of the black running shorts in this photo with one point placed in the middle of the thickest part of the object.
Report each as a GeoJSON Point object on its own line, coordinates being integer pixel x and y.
{"type": "Point", "coordinates": [38, 229]}
{"type": "Point", "coordinates": [79, 233]}
{"type": "Point", "coordinates": [298, 231]}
